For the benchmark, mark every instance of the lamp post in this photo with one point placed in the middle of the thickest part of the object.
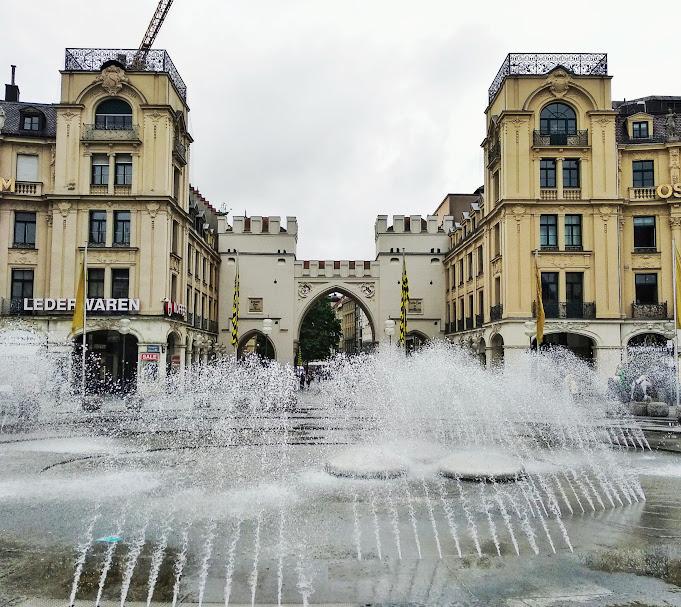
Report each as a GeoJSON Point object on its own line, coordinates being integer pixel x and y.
{"type": "Point", "coordinates": [670, 333]}
{"type": "Point", "coordinates": [266, 329]}
{"type": "Point", "coordinates": [390, 330]}
{"type": "Point", "coordinates": [124, 329]}
{"type": "Point", "coordinates": [531, 331]}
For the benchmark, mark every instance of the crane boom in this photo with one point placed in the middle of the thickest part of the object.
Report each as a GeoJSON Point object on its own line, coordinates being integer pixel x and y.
{"type": "Point", "coordinates": [155, 24]}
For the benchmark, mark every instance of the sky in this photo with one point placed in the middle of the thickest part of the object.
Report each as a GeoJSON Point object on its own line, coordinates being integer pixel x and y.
{"type": "Point", "coordinates": [337, 111]}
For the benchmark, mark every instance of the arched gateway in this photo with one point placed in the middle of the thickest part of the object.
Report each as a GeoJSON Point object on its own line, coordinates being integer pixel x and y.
{"type": "Point", "coordinates": [275, 285]}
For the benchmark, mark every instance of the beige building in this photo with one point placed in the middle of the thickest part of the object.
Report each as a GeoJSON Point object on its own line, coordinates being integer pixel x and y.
{"type": "Point", "coordinates": [108, 166]}
{"type": "Point", "coordinates": [588, 188]}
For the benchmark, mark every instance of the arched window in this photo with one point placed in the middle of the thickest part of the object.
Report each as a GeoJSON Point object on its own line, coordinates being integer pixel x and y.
{"type": "Point", "coordinates": [558, 120]}
{"type": "Point", "coordinates": [113, 114]}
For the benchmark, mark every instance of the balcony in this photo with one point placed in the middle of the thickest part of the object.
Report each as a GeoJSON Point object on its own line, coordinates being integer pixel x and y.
{"type": "Point", "coordinates": [13, 306]}
{"type": "Point", "coordinates": [204, 324]}
{"type": "Point", "coordinates": [578, 139]}
{"type": "Point", "coordinates": [213, 326]}
{"type": "Point", "coordinates": [494, 153]}
{"type": "Point", "coordinates": [567, 309]}
{"type": "Point", "coordinates": [153, 60]}
{"type": "Point", "coordinates": [548, 194]}
{"type": "Point", "coordinates": [469, 322]}
{"type": "Point", "coordinates": [637, 194]}
{"type": "Point", "coordinates": [190, 318]}
{"type": "Point", "coordinates": [496, 312]}
{"type": "Point", "coordinates": [580, 64]}
{"type": "Point", "coordinates": [572, 194]}
{"type": "Point", "coordinates": [197, 321]}
{"type": "Point", "coordinates": [93, 132]}
{"type": "Point", "coordinates": [479, 320]}
{"type": "Point", "coordinates": [656, 311]}
{"type": "Point", "coordinates": [99, 189]}
{"type": "Point", "coordinates": [180, 151]}
{"type": "Point", "coordinates": [28, 188]}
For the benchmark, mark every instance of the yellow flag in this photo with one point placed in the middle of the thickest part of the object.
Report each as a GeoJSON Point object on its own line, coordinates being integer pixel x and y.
{"type": "Point", "coordinates": [78, 312]}
{"type": "Point", "coordinates": [404, 302]}
{"type": "Point", "coordinates": [678, 288]}
{"type": "Point", "coordinates": [540, 305]}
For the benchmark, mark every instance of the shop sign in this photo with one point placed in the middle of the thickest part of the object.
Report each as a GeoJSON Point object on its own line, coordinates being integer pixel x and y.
{"type": "Point", "coordinates": [149, 356]}
{"type": "Point", "coordinates": [156, 349]}
{"type": "Point", "coordinates": [7, 185]}
{"type": "Point", "coordinates": [172, 308]}
{"type": "Point", "coordinates": [667, 190]}
{"type": "Point", "coordinates": [63, 304]}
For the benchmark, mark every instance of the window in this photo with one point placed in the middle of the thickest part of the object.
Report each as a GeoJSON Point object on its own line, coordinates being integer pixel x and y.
{"type": "Point", "coordinates": [173, 287]}
{"type": "Point", "coordinates": [122, 228]}
{"type": "Point", "coordinates": [461, 271]}
{"type": "Point", "coordinates": [470, 306]}
{"type": "Point", "coordinates": [95, 283]}
{"type": "Point", "coordinates": [203, 270]}
{"type": "Point", "coordinates": [497, 239]}
{"type": "Point", "coordinates": [27, 167]}
{"type": "Point", "coordinates": [453, 283]}
{"type": "Point", "coordinates": [22, 284]}
{"type": "Point", "coordinates": [24, 229]}
{"type": "Point", "coordinates": [98, 227]}
{"type": "Point", "coordinates": [547, 173]}
{"type": "Point", "coordinates": [574, 294]}
{"type": "Point", "coordinates": [570, 173]}
{"type": "Point", "coordinates": [573, 231]}
{"type": "Point", "coordinates": [548, 233]}
{"type": "Point", "coordinates": [189, 298]}
{"type": "Point", "coordinates": [549, 293]}
{"type": "Point", "coordinates": [176, 183]}
{"type": "Point", "coordinates": [189, 259]}
{"type": "Point", "coordinates": [196, 264]}
{"type": "Point", "coordinates": [113, 114]}
{"type": "Point", "coordinates": [646, 288]}
{"type": "Point", "coordinates": [644, 233]}
{"type": "Point", "coordinates": [496, 193]}
{"type": "Point", "coordinates": [480, 264]}
{"type": "Point", "coordinates": [639, 130]}
{"type": "Point", "coordinates": [643, 173]}
{"type": "Point", "coordinates": [481, 303]}
{"type": "Point", "coordinates": [120, 283]}
{"type": "Point", "coordinates": [175, 241]}
{"type": "Point", "coordinates": [30, 122]}
{"type": "Point", "coordinates": [100, 169]}
{"type": "Point", "coordinates": [123, 169]}
{"type": "Point", "coordinates": [470, 265]}
{"type": "Point", "coordinates": [558, 120]}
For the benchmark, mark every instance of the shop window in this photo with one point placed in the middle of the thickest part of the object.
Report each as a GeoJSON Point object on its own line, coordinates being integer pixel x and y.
{"type": "Point", "coordinates": [573, 231]}
{"type": "Point", "coordinates": [646, 288]}
{"type": "Point", "coordinates": [120, 283]}
{"type": "Point", "coordinates": [24, 229]}
{"type": "Point", "coordinates": [95, 283]}
{"type": "Point", "coordinates": [547, 173]}
{"type": "Point", "coordinates": [643, 173]}
{"type": "Point", "coordinates": [644, 233]}
{"type": "Point", "coordinates": [639, 130]}
{"type": "Point", "coordinates": [98, 227]}
{"type": "Point", "coordinates": [548, 232]}
{"type": "Point", "coordinates": [122, 228]}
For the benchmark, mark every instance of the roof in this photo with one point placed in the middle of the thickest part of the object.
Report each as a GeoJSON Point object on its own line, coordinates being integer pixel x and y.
{"type": "Point", "coordinates": [13, 111]}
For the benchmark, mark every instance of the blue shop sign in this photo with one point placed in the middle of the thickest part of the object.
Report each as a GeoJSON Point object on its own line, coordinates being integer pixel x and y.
{"type": "Point", "coordinates": [156, 349]}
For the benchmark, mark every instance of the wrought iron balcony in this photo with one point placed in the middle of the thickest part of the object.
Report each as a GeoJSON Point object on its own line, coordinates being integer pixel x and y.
{"type": "Point", "coordinates": [204, 324]}
{"type": "Point", "coordinates": [494, 153]}
{"type": "Point", "coordinates": [656, 311]}
{"type": "Point", "coordinates": [213, 326]}
{"type": "Point", "coordinates": [580, 64]}
{"type": "Point", "coordinates": [153, 60]}
{"type": "Point", "coordinates": [93, 132]}
{"type": "Point", "coordinates": [479, 320]}
{"type": "Point", "coordinates": [180, 151]}
{"type": "Point", "coordinates": [14, 305]}
{"type": "Point", "coordinates": [567, 309]}
{"type": "Point", "coordinates": [577, 139]}
{"type": "Point", "coordinates": [459, 324]}
{"type": "Point", "coordinates": [496, 312]}
{"type": "Point", "coordinates": [469, 322]}
{"type": "Point", "coordinates": [190, 318]}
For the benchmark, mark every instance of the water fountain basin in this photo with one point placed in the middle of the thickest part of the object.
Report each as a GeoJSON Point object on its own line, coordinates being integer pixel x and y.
{"type": "Point", "coordinates": [367, 462]}
{"type": "Point", "coordinates": [481, 464]}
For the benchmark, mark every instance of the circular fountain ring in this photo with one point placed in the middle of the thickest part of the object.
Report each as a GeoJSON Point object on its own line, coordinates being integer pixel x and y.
{"type": "Point", "coordinates": [367, 462]}
{"type": "Point", "coordinates": [481, 464]}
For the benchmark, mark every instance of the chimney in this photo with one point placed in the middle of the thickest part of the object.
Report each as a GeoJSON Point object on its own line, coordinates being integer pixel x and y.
{"type": "Point", "coordinates": [12, 90]}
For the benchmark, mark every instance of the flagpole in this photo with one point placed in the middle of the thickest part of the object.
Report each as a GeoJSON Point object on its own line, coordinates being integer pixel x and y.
{"type": "Point", "coordinates": [676, 329]}
{"type": "Point", "coordinates": [84, 315]}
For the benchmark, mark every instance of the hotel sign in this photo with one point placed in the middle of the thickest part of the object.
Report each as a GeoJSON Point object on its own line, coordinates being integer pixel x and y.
{"type": "Point", "coordinates": [7, 185]}
{"type": "Point", "coordinates": [667, 190]}
{"type": "Point", "coordinates": [63, 304]}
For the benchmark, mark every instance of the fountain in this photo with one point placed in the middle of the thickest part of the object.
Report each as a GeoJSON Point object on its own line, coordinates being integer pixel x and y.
{"type": "Point", "coordinates": [235, 487]}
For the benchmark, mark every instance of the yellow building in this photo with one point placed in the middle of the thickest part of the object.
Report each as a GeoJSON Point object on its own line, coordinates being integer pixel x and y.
{"type": "Point", "coordinates": [108, 166]}
{"type": "Point", "coordinates": [583, 187]}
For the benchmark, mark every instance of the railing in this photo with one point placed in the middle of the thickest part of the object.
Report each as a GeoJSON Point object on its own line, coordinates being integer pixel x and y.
{"type": "Point", "coordinates": [28, 188]}
{"type": "Point", "coordinates": [469, 322]}
{"type": "Point", "coordinates": [153, 60]}
{"type": "Point", "coordinates": [123, 190]}
{"type": "Point", "coordinates": [580, 64]}
{"type": "Point", "coordinates": [656, 311]}
{"type": "Point", "coordinates": [213, 326]}
{"type": "Point", "coordinates": [548, 194]}
{"type": "Point", "coordinates": [577, 139]}
{"type": "Point", "coordinates": [197, 321]}
{"type": "Point", "coordinates": [642, 193]}
{"type": "Point", "coordinates": [93, 132]}
{"type": "Point", "coordinates": [549, 247]}
{"type": "Point", "coordinates": [204, 324]}
{"type": "Point", "coordinates": [479, 320]}
{"type": "Point", "coordinates": [180, 150]}
{"type": "Point", "coordinates": [459, 325]}
{"type": "Point", "coordinates": [13, 305]}
{"type": "Point", "coordinates": [572, 194]}
{"type": "Point", "coordinates": [495, 312]}
{"type": "Point", "coordinates": [574, 247]}
{"type": "Point", "coordinates": [23, 245]}
{"type": "Point", "coordinates": [567, 309]}
{"type": "Point", "coordinates": [494, 153]}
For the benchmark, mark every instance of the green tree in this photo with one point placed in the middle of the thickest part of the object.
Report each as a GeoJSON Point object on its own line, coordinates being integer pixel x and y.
{"type": "Point", "coordinates": [321, 332]}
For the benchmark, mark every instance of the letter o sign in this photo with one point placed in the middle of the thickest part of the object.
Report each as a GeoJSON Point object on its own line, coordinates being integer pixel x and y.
{"type": "Point", "coordinates": [664, 190]}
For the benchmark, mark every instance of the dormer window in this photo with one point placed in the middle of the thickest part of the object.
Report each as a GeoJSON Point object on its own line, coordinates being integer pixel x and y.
{"type": "Point", "coordinates": [113, 114]}
{"type": "Point", "coordinates": [31, 122]}
{"type": "Point", "coordinates": [639, 130]}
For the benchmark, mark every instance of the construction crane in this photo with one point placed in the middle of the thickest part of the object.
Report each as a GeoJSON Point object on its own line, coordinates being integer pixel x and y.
{"type": "Point", "coordinates": [140, 58]}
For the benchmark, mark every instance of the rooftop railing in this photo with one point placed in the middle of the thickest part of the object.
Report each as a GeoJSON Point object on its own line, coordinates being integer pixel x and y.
{"type": "Point", "coordinates": [153, 60]}
{"type": "Point", "coordinates": [580, 64]}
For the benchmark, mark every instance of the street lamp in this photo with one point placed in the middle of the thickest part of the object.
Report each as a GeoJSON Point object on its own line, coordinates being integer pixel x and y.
{"type": "Point", "coordinates": [531, 331]}
{"type": "Point", "coordinates": [390, 330]}
{"type": "Point", "coordinates": [266, 329]}
{"type": "Point", "coordinates": [124, 329]}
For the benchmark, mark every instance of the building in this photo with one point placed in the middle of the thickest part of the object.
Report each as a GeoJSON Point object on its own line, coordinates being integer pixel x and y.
{"type": "Point", "coordinates": [585, 188]}
{"type": "Point", "coordinates": [108, 166]}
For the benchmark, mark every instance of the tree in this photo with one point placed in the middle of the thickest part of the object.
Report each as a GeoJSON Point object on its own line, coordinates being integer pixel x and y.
{"type": "Point", "coordinates": [321, 332]}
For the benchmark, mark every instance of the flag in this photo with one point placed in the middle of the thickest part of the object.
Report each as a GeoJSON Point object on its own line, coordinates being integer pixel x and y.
{"type": "Point", "coordinates": [404, 303]}
{"type": "Point", "coordinates": [79, 310]}
{"type": "Point", "coordinates": [540, 305]}
{"type": "Point", "coordinates": [678, 287]}
{"type": "Point", "coordinates": [235, 309]}
{"type": "Point", "coordinates": [300, 357]}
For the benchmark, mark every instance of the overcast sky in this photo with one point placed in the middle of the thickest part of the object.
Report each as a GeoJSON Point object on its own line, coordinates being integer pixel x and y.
{"type": "Point", "coordinates": [337, 111]}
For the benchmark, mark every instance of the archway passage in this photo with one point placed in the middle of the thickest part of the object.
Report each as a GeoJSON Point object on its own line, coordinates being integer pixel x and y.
{"type": "Point", "coordinates": [648, 340]}
{"type": "Point", "coordinates": [579, 345]}
{"type": "Point", "coordinates": [110, 362]}
{"type": "Point", "coordinates": [496, 350]}
{"type": "Point", "coordinates": [173, 355]}
{"type": "Point", "coordinates": [414, 340]}
{"type": "Point", "coordinates": [257, 343]}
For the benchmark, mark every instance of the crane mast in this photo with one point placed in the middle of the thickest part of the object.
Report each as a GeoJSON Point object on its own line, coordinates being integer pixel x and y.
{"type": "Point", "coordinates": [153, 29]}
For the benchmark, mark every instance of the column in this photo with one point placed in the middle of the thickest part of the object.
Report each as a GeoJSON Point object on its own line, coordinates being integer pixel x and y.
{"type": "Point", "coordinates": [559, 178]}
{"type": "Point", "coordinates": [112, 170]}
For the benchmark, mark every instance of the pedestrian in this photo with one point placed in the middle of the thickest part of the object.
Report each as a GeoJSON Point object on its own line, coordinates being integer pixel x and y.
{"type": "Point", "coordinates": [302, 381]}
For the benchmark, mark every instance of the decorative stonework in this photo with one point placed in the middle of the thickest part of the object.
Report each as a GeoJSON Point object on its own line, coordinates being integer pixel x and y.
{"type": "Point", "coordinates": [518, 212]}
{"type": "Point", "coordinates": [112, 79]}
{"type": "Point", "coordinates": [496, 266]}
{"type": "Point", "coordinates": [674, 165]}
{"type": "Point", "coordinates": [304, 289]}
{"type": "Point", "coordinates": [110, 256]}
{"type": "Point", "coordinates": [646, 261]}
{"type": "Point", "coordinates": [368, 289]}
{"type": "Point", "coordinates": [23, 257]}
{"type": "Point", "coordinates": [566, 326]}
{"type": "Point", "coordinates": [174, 264]}
{"type": "Point", "coordinates": [64, 208]}
{"type": "Point", "coordinates": [153, 208]}
{"type": "Point", "coordinates": [605, 212]}
{"type": "Point", "coordinates": [675, 222]}
{"type": "Point", "coordinates": [559, 83]}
